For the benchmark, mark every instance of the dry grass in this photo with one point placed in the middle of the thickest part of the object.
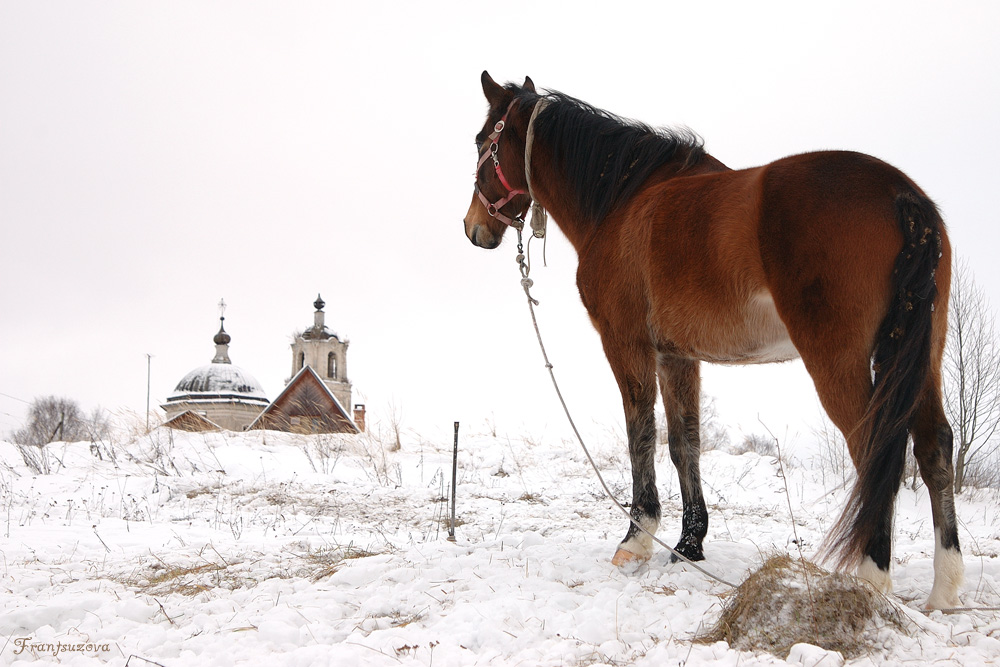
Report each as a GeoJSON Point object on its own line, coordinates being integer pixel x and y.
{"type": "Point", "coordinates": [788, 601]}
{"type": "Point", "coordinates": [163, 578]}
{"type": "Point", "coordinates": [322, 563]}
{"type": "Point", "coordinates": [208, 489]}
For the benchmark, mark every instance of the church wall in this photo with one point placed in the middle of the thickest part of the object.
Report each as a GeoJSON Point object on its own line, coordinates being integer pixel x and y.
{"type": "Point", "coordinates": [231, 416]}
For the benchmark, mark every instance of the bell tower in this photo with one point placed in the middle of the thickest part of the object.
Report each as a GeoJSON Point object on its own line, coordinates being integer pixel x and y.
{"type": "Point", "coordinates": [321, 349]}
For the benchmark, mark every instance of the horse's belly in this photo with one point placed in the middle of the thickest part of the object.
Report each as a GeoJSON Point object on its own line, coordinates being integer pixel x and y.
{"type": "Point", "coordinates": [772, 351]}
{"type": "Point", "coordinates": [758, 337]}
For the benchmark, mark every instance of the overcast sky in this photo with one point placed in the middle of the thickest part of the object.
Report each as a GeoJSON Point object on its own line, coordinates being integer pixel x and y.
{"type": "Point", "coordinates": [158, 156]}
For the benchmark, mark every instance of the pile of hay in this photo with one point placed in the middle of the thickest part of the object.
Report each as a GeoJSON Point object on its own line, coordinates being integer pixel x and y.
{"type": "Point", "coordinates": [788, 601]}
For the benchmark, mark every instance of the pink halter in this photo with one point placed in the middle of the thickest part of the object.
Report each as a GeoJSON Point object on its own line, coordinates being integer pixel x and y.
{"type": "Point", "coordinates": [493, 208]}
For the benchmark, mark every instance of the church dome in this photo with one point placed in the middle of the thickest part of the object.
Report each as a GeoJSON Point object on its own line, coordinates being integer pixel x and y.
{"type": "Point", "coordinates": [219, 382]}
{"type": "Point", "coordinates": [222, 338]}
{"type": "Point", "coordinates": [319, 330]}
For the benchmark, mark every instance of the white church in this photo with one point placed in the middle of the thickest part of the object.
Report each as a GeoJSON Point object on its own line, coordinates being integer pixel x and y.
{"type": "Point", "coordinates": [316, 397]}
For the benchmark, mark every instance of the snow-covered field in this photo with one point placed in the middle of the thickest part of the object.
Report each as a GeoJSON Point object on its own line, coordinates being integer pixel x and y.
{"type": "Point", "coordinates": [275, 549]}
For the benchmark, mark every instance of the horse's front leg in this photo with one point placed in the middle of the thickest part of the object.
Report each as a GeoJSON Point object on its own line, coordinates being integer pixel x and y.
{"type": "Point", "coordinates": [637, 381]}
{"type": "Point", "coordinates": [680, 383]}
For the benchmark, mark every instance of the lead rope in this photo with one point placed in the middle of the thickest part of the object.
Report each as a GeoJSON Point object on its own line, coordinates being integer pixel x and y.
{"type": "Point", "coordinates": [539, 216]}
{"type": "Point", "coordinates": [526, 283]}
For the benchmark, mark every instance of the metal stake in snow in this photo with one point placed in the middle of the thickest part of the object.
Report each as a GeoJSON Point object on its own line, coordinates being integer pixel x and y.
{"type": "Point", "coordinates": [149, 371]}
{"type": "Point", "coordinates": [454, 479]}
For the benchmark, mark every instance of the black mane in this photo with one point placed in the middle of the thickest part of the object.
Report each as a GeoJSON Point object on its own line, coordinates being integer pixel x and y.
{"type": "Point", "coordinates": [605, 157]}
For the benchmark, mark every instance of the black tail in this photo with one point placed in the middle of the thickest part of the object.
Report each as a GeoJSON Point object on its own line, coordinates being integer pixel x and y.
{"type": "Point", "coordinates": [901, 363]}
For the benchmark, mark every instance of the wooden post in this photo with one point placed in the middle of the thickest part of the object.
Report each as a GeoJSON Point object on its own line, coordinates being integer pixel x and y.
{"type": "Point", "coordinates": [149, 371]}
{"type": "Point", "coordinates": [454, 481]}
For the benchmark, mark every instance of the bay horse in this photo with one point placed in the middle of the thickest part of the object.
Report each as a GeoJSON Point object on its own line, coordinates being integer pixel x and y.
{"type": "Point", "coordinates": [836, 258]}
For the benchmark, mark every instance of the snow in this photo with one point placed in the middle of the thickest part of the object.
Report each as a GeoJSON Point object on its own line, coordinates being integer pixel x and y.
{"type": "Point", "coordinates": [218, 378]}
{"type": "Point", "coordinates": [268, 548]}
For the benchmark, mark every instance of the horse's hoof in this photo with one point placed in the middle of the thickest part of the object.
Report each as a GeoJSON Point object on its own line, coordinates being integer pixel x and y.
{"type": "Point", "coordinates": [933, 604]}
{"type": "Point", "coordinates": [690, 550]}
{"type": "Point", "coordinates": [622, 557]}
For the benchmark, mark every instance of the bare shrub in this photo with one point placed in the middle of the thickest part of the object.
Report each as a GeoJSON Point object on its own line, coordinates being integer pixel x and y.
{"type": "Point", "coordinates": [714, 434]}
{"type": "Point", "coordinates": [835, 459]}
{"type": "Point", "coordinates": [36, 457]}
{"type": "Point", "coordinates": [832, 454]}
{"type": "Point", "coordinates": [154, 450]}
{"type": "Point", "coordinates": [756, 443]}
{"type": "Point", "coordinates": [99, 425]}
{"type": "Point", "coordinates": [323, 451]}
{"type": "Point", "coordinates": [104, 435]}
{"type": "Point", "coordinates": [379, 440]}
{"type": "Point", "coordinates": [983, 472]}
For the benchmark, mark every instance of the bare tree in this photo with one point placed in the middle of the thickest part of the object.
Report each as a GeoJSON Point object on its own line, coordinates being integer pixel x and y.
{"type": "Point", "coordinates": [50, 419]}
{"type": "Point", "coordinates": [971, 374]}
{"type": "Point", "coordinates": [53, 419]}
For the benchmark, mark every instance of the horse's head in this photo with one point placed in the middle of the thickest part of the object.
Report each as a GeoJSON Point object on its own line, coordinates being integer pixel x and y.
{"type": "Point", "coordinates": [500, 198]}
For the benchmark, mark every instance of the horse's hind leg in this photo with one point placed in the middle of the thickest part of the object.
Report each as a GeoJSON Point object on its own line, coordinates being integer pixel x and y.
{"type": "Point", "coordinates": [680, 383]}
{"type": "Point", "coordinates": [932, 447]}
{"type": "Point", "coordinates": [844, 386]}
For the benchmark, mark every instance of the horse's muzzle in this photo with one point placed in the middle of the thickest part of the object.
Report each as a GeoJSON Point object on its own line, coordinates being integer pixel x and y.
{"type": "Point", "coordinates": [482, 237]}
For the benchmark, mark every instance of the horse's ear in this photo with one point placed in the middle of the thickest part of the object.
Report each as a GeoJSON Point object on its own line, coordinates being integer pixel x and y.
{"type": "Point", "coordinates": [529, 85]}
{"type": "Point", "coordinates": [494, 91]}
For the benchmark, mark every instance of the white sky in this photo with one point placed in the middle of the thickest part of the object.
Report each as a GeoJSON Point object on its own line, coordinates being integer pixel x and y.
{"type": "Point", "coordinates": [156, 156]}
